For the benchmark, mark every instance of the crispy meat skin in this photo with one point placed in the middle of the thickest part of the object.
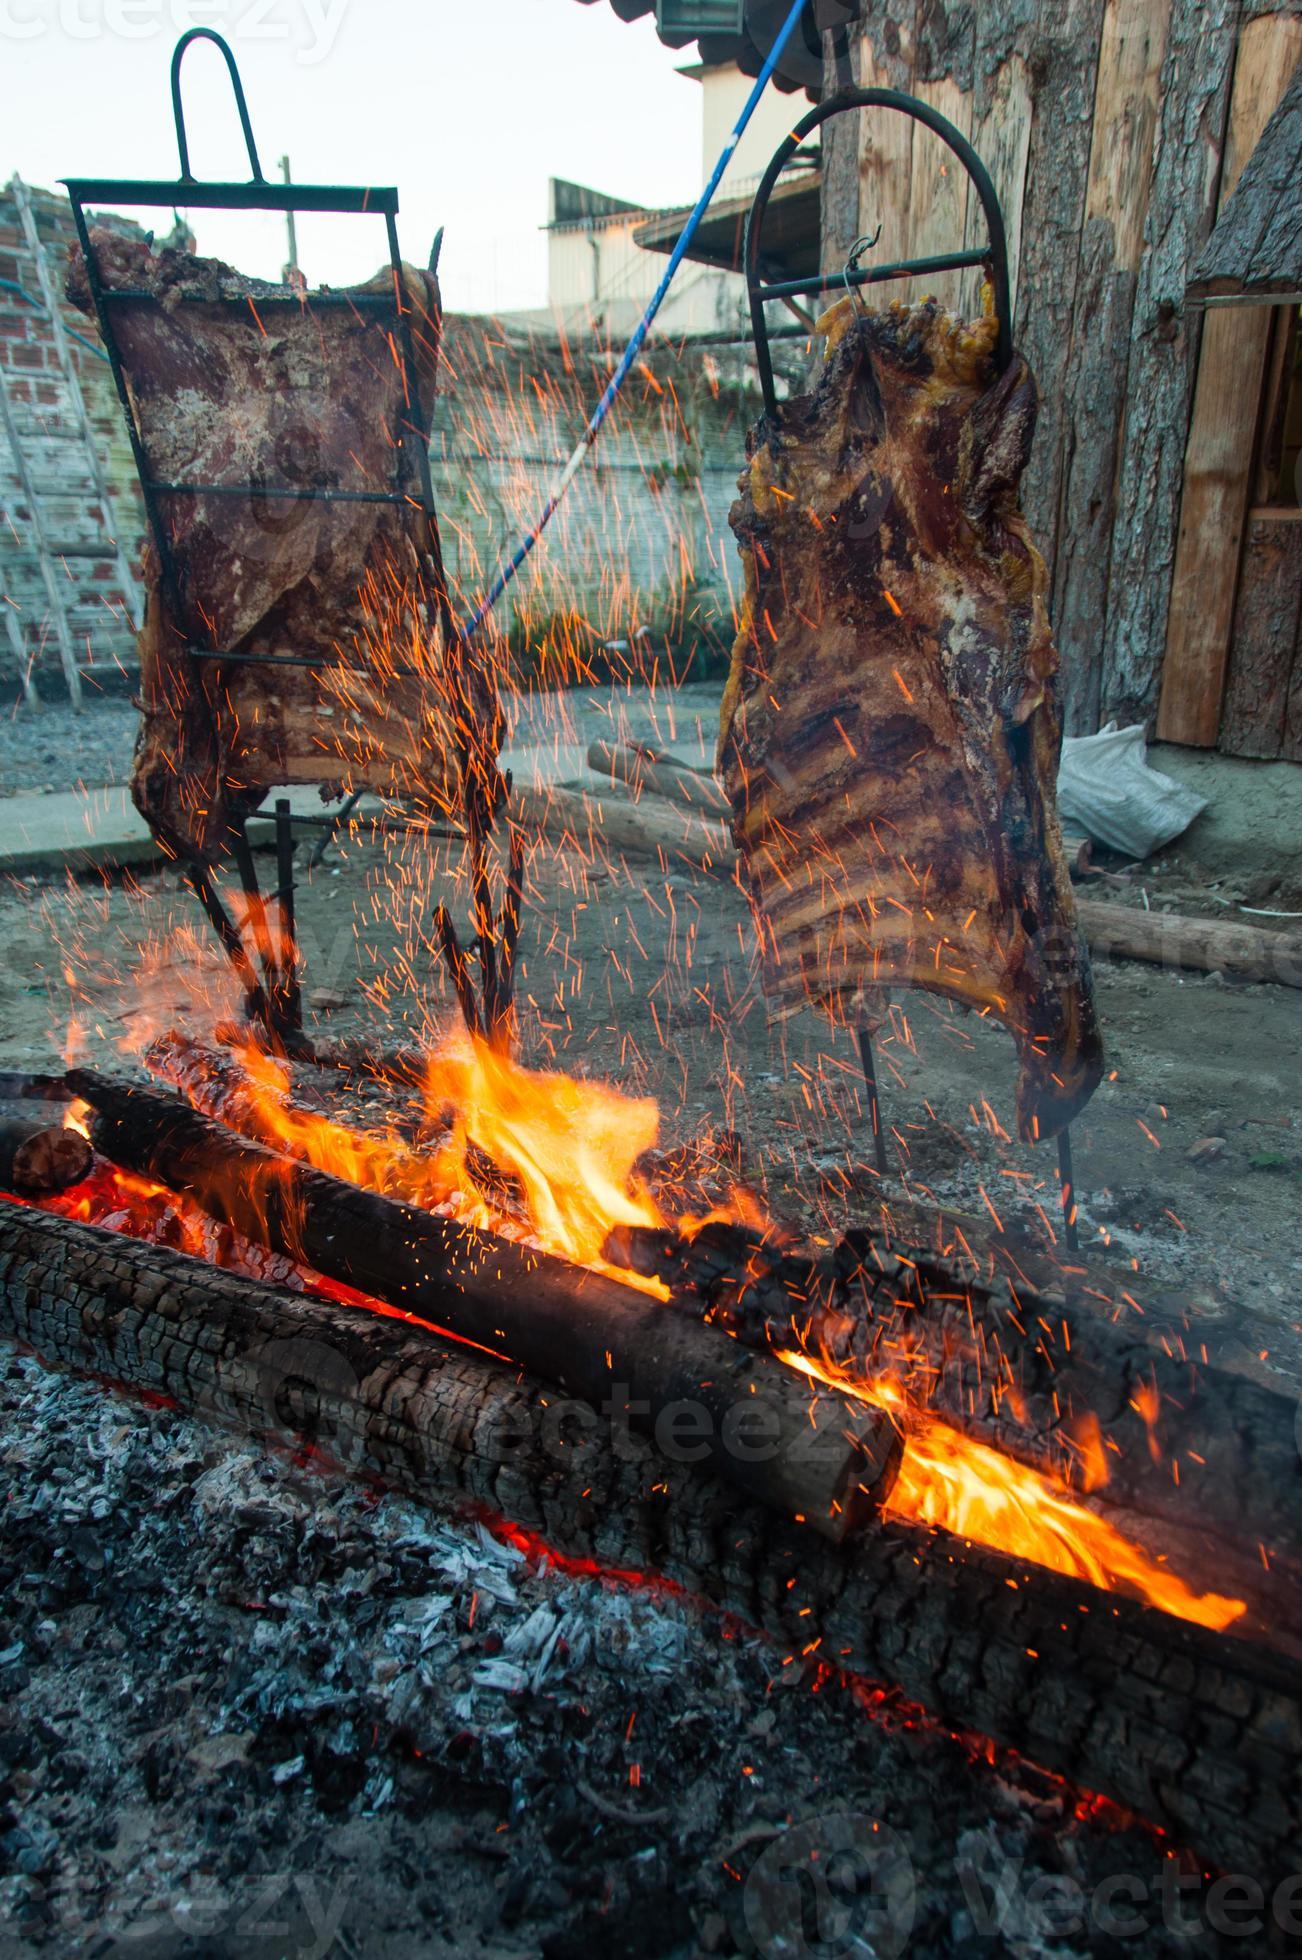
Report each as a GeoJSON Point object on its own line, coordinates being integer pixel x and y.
{"type": "Point", "coordinates": [307, 397]}
{"type": "Point", "coordinates": [890, 730]}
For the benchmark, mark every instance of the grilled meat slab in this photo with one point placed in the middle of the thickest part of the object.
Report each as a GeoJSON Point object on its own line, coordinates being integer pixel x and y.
{"type": "Point", "coordinates": [231, 386]}
{"type": "Point", "coordinates": [890, 730]}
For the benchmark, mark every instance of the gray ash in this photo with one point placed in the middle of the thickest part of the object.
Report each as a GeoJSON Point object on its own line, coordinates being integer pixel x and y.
{"type": "Point", "coordinates": [248, 1707]}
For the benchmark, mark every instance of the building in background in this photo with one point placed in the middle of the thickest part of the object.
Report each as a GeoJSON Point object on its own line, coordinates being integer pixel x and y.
{"type": "Point", "coordinates": [606, 256]}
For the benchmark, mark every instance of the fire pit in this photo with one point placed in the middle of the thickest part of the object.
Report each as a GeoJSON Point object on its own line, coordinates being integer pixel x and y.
{"type": "Point", "coordinates": [860, 1452]}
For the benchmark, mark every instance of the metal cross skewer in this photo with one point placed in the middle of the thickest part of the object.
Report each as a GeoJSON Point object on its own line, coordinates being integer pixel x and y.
{"type": "Point", "coordinates": [1066, 1176]}
{"type": "Point", "coordinates": [869, 1063]}
{"type": "Point", "coordinates": [1068, 1183]}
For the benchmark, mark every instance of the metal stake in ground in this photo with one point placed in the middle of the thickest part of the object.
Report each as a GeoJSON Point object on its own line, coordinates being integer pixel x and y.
{"type": "Point", "coordinates": [869, 1061]}
{"type": "Point", "coordinates": [1068, 1184]}
{"type": "Point", "coordinates": [289, 990]}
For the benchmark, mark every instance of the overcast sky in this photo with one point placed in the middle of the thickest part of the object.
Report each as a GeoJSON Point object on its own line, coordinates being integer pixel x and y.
{"type": "Point", "coordinates": [468, 106]}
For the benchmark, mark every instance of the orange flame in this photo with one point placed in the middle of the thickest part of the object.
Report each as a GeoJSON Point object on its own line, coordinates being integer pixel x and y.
{"type": "Point", "coordinates": [956, 1484]}
{"type": "Point", "coordinates": [547, 1156]}
{"type": "Point", "coordinates": [74, 1118]}
{"type": "Point", "coordinates": [567, 1147]}
{"type": "Point", "coordinates": [573, 1145]}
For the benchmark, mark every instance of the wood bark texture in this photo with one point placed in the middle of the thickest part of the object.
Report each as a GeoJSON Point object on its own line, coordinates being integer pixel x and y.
{"type": "Point", "coordinates": [1265, 643]}
{"type": "Point", "coordinates": [1094, 378]}
{"type": "Point", "coordinates": [1256, 248]}
{"type": "Point", "coordinates": [1198, 1732]}
{"type": "Point", "coordinates": [1193, 101]}
{"type": "Point", "coordinates": [643, 769]}
{"type": "Point", "coordinates": [1205, 945]}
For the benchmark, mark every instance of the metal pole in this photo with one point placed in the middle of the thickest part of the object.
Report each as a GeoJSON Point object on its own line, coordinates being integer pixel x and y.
{"type": "Point", "coordinates": [508, 571]}
{"type": "Point", "coordinates": [869, 1061]}
{"type": "Point", "coordinates": [292, 266]}
{"type": "Point", "coordinates": [290, 991]}
{"type": "Point", "coordinates": [255, 998]}
{"type": "Point", "coordinates": [334, 823]}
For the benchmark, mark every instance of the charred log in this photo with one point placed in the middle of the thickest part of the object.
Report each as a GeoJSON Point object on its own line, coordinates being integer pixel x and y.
{"type": "Point", "coordinates": [1039, 1377]}
{"type": "Point", "coordinates": [820, 1458]}
{"type": "Point", "coordinates": [37, 1154]}
{"type": "Point", "coordinates": [1200, 1733]}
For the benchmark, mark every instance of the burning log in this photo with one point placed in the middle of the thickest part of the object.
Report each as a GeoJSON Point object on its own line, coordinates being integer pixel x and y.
{"type": "Point", "coordinates": [37, 1154]}
{"type": "Point", "coordinates": [820, 1458]}
{"type": "Point", "coordinates": [221, 1085]}
{"type": "Point", "coordinates": [1195, 1731]}
{"type": "Point", "coordinates": [1210, 1454]}
{"type": "Point", "coordinates": [1186, 1452]}
{"type": "Point", "coordinates": [24, 1085]}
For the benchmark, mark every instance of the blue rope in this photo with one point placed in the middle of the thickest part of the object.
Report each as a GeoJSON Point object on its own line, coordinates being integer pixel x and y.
{"type": "Point", "coordinates": [630, 354]}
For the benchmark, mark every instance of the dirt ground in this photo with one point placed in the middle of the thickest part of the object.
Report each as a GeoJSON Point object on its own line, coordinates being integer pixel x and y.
{"type": "Point", "coordinates": [1188, 1160]}
{"type": "Point", "coordinates": [246, 1710]}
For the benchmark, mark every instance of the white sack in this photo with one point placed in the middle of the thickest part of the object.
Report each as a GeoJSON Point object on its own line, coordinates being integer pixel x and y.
{"type": "Point", "coordinates": [1106, 788]}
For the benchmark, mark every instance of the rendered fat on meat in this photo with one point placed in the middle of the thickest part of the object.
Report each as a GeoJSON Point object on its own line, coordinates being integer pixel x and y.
{"type": "Point", "coordinates": [232, 383]}
{"type": "Point", "coordinates": [890, 729]}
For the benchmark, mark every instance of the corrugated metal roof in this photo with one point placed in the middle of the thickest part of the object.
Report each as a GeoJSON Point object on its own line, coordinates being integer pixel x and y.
{"type": "Point", "coordinates": [801, 64]}
{"type": "Point", "coordinates": [1255, 250]}
{"type": "Point", "coordinates": [791, 235]}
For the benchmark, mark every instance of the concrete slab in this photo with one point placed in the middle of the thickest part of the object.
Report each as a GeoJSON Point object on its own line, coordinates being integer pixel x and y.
{"type": "Point", "coordinates": [1252, 826]}
{"type": "Point", "coordinates": [87, 830]}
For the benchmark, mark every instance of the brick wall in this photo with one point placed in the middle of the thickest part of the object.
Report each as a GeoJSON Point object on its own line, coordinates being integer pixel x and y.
{"type": "Point", "coordinates": [102, 636]}
{"type": "Point", "coordinates": [642, 538]}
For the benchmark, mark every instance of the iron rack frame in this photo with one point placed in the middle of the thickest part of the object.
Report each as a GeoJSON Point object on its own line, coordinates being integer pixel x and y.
{"type": "Point", "coordinates": [994, 255]}
{"type": "Point", "coordinates": [275, 999]}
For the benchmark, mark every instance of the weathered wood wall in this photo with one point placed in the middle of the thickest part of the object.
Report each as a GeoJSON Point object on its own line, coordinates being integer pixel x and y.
{"type": "Point", "coordinates": [1104, 124]}
{"type": "Point", "coordinates": [1220, 453]}
{"type": "Point", "coordinates": [1262, 711]}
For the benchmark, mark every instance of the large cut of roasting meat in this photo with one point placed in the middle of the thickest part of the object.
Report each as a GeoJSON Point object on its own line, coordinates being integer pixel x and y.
{"type": "Point", "coordinates": [233, 386]}
{"type": "Point", "coordinates": [890, 729]}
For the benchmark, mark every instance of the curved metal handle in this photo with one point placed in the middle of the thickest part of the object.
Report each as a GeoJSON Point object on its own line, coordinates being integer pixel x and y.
{"type": "Point", "coordinates": [908, 105]}
{"type": "Point", "coordinates": [178, 113]}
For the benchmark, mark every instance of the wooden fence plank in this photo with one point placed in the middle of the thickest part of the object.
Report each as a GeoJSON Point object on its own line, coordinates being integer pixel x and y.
{"type": "Point", "coordinates": [1001, 137]}
{"type": "Point", "coordinates": [1120, 171]}
{"type": "Point", "coordinates": [1062, 57]}
{"type": "Point", "coordinates": [1193, 100]}
{"type": "Point", "coordinates": [1220, 451]}
{"type": "Point", "coordinates": [1266, 617]}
